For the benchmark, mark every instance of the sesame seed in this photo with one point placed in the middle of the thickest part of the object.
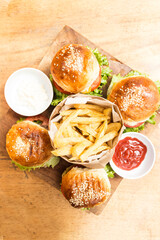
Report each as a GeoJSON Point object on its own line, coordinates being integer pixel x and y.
{"type": "Point", "coordinates": [85, 192]}
{"type": "Point", "coordinates": [73, 61]}
{"type": "Point", "coordinates": [133, 96]}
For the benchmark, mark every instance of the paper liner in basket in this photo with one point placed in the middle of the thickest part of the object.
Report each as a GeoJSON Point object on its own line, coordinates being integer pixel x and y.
{"type": "Point", "coordinates": [99, 160]}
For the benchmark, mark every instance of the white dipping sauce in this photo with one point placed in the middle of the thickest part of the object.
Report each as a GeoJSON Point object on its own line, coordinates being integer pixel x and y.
{"type": "Point", "coordinates": [28, 91]}
{"type": "Point", "coordinates": [31, 94]}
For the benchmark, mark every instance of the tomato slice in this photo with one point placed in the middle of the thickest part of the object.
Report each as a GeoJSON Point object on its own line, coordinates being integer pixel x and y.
{"type": "Point", "coordinates": [41, 118]}
{"type": "Point", "coordinates": [59, 88]}
{"type": "Point", "coordinates": [97, 82]}
{"type": "Point", "coordinates": [136, 125]}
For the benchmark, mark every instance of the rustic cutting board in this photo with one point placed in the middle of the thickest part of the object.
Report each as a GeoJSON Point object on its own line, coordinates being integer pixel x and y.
{"type": "Point", "coordinates": [53, 176]}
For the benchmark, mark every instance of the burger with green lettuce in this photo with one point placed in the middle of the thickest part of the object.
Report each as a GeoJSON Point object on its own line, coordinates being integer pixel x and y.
{"type": "Point", "coordinates": [137, 97]}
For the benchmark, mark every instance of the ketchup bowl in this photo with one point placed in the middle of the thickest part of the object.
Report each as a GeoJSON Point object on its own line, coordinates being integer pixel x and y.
{"type": "Point", "coordinates": [143, 166]}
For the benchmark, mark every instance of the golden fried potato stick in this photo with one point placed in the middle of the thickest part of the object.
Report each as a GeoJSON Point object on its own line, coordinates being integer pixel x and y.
{"type": "Point", "coordinates": [61, 142]}
{"type": "Point", "coordinates": [98, 143]}
{"type": "Point", "coordinates": [62, 151]}
{"type": "Point", "coordinates": [78, 148]}
{"type": "Point", "coordinates": [94, 126]}
{"type": "Point", "coordinates": [56, 124]}
{"type": "Point", "coordinates": [63, 126]}
{"type": "Point", "coordinates": [70, 111]}
{"type": "Point", "coordinates": [89, 106]}
{"type": "Point", "coordinates": [113, 126]}
{"type": "Point", "coordinates": [108, 112]}
{"type": "Point", "coordinates": [87, 120]}
{"type": "Point", "coordinates": [88, 129]}
{"type": "Point", "coordinates": [91, 138]}
{"type": "Point", "coordinates": [100, 149]}
{"type": "Point", "coordinates": [102, 130]}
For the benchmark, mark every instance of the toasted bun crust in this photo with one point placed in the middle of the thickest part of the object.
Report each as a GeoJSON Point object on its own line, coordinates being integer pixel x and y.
{"type": "Point", "coordinates": [137, 98]}
{"type": "Point", "coordinates": [84, 187]}
{"type": "Point", "coordinates": [28, 144]}
{"type": "Point", "coordinates": [74, 68]}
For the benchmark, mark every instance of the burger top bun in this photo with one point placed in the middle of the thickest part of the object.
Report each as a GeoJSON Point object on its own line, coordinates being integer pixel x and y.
{"type": "Point", "coordinates": [28, 144]}
{"type": "Point", "coordinates": [84, 187]}
{"type": "Point", "coordinates": [74, 68]}
{"type": "Point", "coordinates": [137, 98]}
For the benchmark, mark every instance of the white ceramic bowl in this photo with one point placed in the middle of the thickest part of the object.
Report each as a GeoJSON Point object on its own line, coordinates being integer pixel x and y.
{"type": "Point", "coordinates": [32, 79]}
{"type": "Point", "coordinates": [146, 164]}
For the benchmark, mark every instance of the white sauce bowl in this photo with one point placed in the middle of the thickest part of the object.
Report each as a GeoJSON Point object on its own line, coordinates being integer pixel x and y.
{"type": "Point", "coordinates": [146, 165]}
{"type": "Point", "coordinates": [28, 91]}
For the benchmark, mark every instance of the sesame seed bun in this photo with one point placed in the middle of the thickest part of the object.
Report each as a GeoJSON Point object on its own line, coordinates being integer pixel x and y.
{"type": "Point", "coordinates": [74, 68]}
{"type": "Point", "coordinates": [85, 188]}
{"type": "Point", "coordinates": [137, 98]}
{"type": "Point", "coordinates": [28, 144]}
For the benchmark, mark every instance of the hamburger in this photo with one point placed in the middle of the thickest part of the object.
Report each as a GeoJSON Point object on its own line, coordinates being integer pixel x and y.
{"type": "Point", "coordinates": [78, 69]}
{"type": "Point", "coordinates": [85, 188]}
{"type": "Point", "coordinates": [137, 98]}
{"type": "Point", "coordinates": [75, 69]}
{"type": "Point", "coordinates": [29, 147]}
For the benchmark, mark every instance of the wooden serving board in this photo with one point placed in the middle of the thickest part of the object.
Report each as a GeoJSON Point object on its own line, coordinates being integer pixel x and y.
{"type": "Point", "coordinates": [53, 176]}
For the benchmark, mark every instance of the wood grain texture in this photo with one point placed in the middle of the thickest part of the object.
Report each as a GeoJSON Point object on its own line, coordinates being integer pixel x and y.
{"type": "Point", "coordinates": [30, 208]}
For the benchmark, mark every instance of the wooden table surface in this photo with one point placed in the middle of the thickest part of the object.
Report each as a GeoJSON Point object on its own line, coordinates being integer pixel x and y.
{"type": "Point", "coordinates": [31, 208]}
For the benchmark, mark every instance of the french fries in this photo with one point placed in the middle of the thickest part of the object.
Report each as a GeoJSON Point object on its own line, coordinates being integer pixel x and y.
{"type": "Point", "coordinates": [102, 130]}
{"type": "Point", "coordinates": [78, 148]}
{"type": "Point", "coordinates": [87, 120]}
{"type": "Point", "coordinates": [100, 149]}
{"type": "Point", "coordinates": [87, 129]}
{"type": "Point", "coordinates": [108, 112]}
{"type": "Point", "coordinates": [69, 112]}
{"type": "Point", "coordinates": [57, 124]}
{"type": "Point", "coordinates": [89, 106]}
{"type": "Point", "coordinates": [91, 138]}
{"type": "Point", "coordinates": [65, 141]}
{"type": "Point", "coordinates": [97, 144]}
{"type": "Point", "coordinates": [94, 126]}
{"type": "Point", "coordinates": [91, 113]}
{"type": "Point", "coordinates": [113, 126]}
{"type": "Point", "coordinates": [83, 131]}
{"type": "Point", "coordinates": [62, 151]}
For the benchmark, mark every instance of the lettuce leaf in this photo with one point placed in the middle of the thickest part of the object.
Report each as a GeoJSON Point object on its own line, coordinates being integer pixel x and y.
{"type": "Point", "coordinates": [105, 73]}
{"type": "Point", "coordinates": [151, 120]}
{"type": "Point", "coordinates": [110, 172]}
{"type": "Point", "coordinates": [35, 121]}
{"type": "Point", "coordinates": [135, 73]}
{"type": "Point", "coordinates": [158, 85]}
{"type": "Point", "coordinates": [38, 121]}
{"type": "Point", "coordinates": [58, 96]}
{"type": "Point", "coordinates": [102, 59]}
{"type": "Point", "coordinates": [136, 129]}
{"type": "Point", "coordinates": [83, 209]}
{"type": "Point", "coordinates": [67, 170]}
{"type": "Point", "coordinates": [115, 79]}
{"type": "Point", "coordinates": [52, 162]}
{"type": "Point", "coordinates": [20, 120]}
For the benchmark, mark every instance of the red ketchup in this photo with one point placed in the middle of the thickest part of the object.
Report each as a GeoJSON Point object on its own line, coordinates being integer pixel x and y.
{"type": "Point", "coordinates": [129, 153]}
